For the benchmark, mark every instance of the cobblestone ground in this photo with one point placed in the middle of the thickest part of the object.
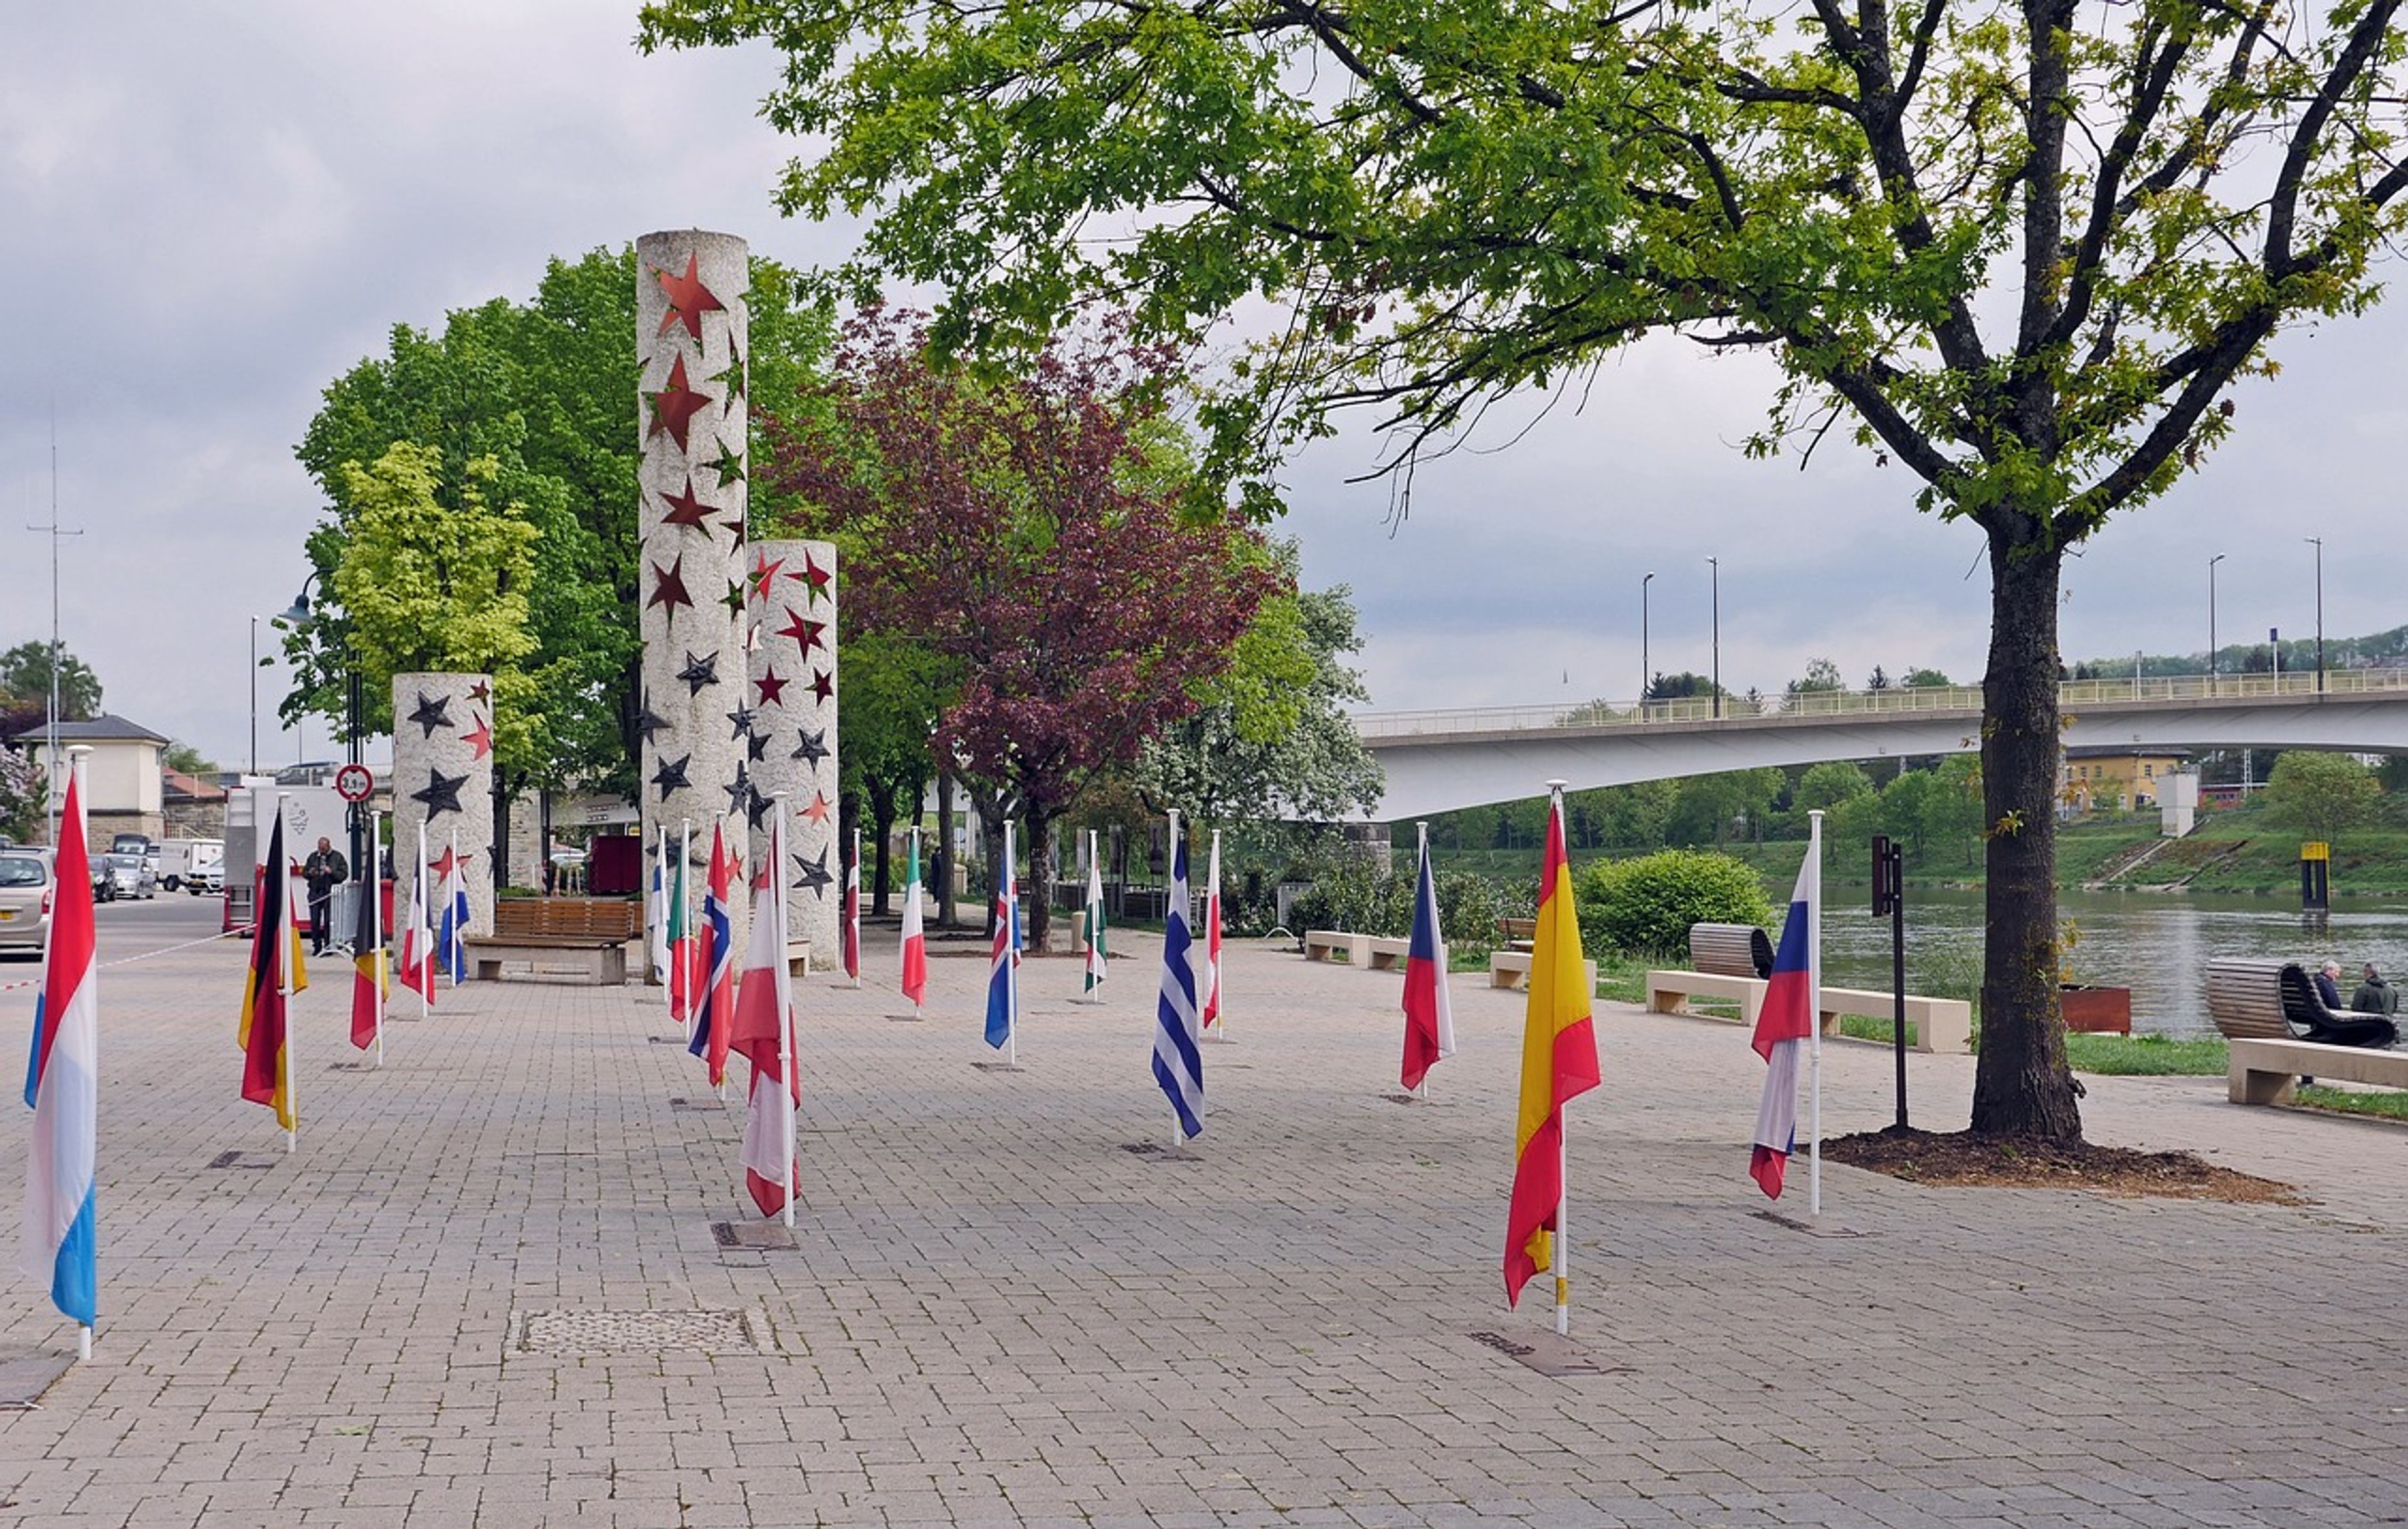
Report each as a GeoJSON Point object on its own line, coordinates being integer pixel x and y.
{"type": "Point", "coordinates": [997, 1313]}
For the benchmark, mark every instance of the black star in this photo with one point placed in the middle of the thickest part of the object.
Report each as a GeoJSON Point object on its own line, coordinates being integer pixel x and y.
{"type": "Point", "coordinates": [739, 791]}
{"type": "Point", "coordinates": [756, 743]}
{"type": "Point", "coordinates": [647, 723]}
{"type": "Point", "coordinates": [815, 746]}
{"type": "Point", "coordinates": [441, 793]}
{"type": "Point", "coordinates": [671, 775]}
{"type": "Point", "coordinates": [740, 720]}
{"type": "Point", "coordinates": [432, 711]}
{"type": "Point", "coordinates": [700, 669]}
{"type": "Point", "coordinates": [756, 807]}
{"type": "Point", "coordinates": [815, 873]}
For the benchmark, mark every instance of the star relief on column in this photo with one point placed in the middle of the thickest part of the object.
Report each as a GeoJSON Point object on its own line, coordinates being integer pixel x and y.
{"type": "Point", "coordinates": [689, 299]}
{"type": "Point", "coordinates": [480, 738]}
{"type": "Point", "coordinates": [807, 635]}
{"type": "Point", "coordinates": [432, 711]}
{"type": "Point", "coordinates": [675, 406]}
{"type": "Point", "coordinates": [668, 588]}
{"type": "Point", "coordinates": [687, 510]}
{"type": "Point", "coordinates": [441, 793]}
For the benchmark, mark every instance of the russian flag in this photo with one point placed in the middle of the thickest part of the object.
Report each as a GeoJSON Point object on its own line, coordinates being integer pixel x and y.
{"type": "Point", "coordinates": [1003, 963]}
{"type": "Point", "coordinates": [1430, 1017]}
{"type": "Point", "coordinates": [1784, 1023]}
{"type": "Point", "coordinates": [715, 1007]}
{"type": "Point", "coordinates": [62, 1085]}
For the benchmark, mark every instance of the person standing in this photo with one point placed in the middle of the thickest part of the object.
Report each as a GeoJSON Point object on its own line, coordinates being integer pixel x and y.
{"type": "Point", "coordinates": [2329, 986]}
{"type": "Point", "coordinates": [325, 870]}
{"type": "Point", "coordinates": [2374, 996]}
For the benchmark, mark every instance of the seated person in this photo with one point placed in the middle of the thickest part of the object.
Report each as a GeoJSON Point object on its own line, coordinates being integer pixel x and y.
{"type": "Point", "coordinates": [2328, 985]}
{"type": "Point", "coordinates": [2374, 996]}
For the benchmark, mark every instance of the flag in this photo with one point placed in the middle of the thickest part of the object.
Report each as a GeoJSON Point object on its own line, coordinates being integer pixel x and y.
{"type": "Point", "coordinates": [1429, 1017]}
{"type": "Point", "coordinates": [852, 912]}
{"type": "Point", "coordinates": [656, 910]}
{"type": "Point", "coordinates": [1091, 921]}
{"type": "Point", "coordinates": [683, 971]}
{"type": "Point", "coordinates": [1178, 1064]}
{"type": "Point", "coordinates": [1558, 1064]}
{"type": "Point", "coordinates": [452, 934]}
{"type": "Point", "coordinates": [714, 1009]}
{"type": "Point", "coordinates": [1212, 938]}
{"type": "Point", "coordinates": [418, 935]}
{"type": "Point", "coordinates": [63, 1086]}
{"type": "Point", "coordinates": [1003, 964]}
{"type": "Point", "coordinates": [916, 944]}
{"type": "Point", "coordinates": [760, 1030]}
{"type": "Point", "coordinates": [1782, 1028]}
{"type": "Point", "coordinates": [368, 984]}
{"type": "Point", "coordinates": [274, 974]}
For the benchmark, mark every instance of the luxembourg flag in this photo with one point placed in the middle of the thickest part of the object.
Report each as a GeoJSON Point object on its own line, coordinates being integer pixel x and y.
{"type": "Point", "coordinates": [761, 1030]}
{"type": "Point", "coordinates": [1003, 973]}
{"type": "Point", "coordinates": [1430, 1017]}
{"type": "Point", "coordinates": [63, 1086]}
{"type": "Point", "coordinates": [418, 937]}
{"type": "Point", "coordinates": [1786, 1024]}
{"type": "Point", "coordinates": [714, 1010]}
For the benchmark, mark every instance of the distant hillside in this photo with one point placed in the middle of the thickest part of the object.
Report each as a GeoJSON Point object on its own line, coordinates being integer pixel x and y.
{"type": "Point", "coordinates": [2383, 651]}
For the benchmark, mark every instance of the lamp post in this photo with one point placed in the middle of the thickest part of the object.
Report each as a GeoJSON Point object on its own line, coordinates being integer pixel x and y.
{"type": "Point", "coordinates": [1715, 563]}
{"type": "Point", "coordinates": [1646, 670]}
{"type": "Point", "coordinates": [2210, 620]}
{"type": "Point", "coordinates": [2318, 543]}
{"type": "Point", "coordinates": [298, 614]}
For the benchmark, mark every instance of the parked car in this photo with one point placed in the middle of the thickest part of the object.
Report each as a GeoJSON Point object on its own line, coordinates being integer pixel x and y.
{"type": "Point", "coordinates": [129, 875]}
{"type": "Point", "coordinates": [104, 884]}
{"type": "Point", "coordinates": [27, 894]}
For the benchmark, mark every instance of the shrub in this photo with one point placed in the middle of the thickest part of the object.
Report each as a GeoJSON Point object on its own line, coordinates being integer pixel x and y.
{"type": "Point", "coordinates": [1647, 904]}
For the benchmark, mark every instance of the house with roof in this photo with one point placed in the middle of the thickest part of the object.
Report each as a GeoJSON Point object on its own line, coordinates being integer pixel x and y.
{"type": "Point", "coordinates": [123, 773]}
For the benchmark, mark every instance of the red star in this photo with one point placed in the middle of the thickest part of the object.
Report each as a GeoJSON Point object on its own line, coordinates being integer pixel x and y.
{"type": "Point", "coordinates": [685, 510]}
{"type": "Point", "coordinates": [689, 300]}
{"type": "Point", "coordinates": [481, 738]}
{"type": "Point", "coordinates": [764, 570]}
{"type": "Point", "coordinates": [807, 635]}
{"type": "Point", "coordinates": [824, 684]}
{"type": "Point", "coordinates": [481, 692]}
{"type": "Point", "coordinates": [675, 406]}
{"type": "Point", "coordinates": [818, 812]}
{"type": "Point", "coordinates": [772, 688]}
{"type": "Point", "coordinates": [669, 587]}
{"type": "Point", "coordinates": [442, 867]}
{"type": "Point", "coordinates": [813, 575]}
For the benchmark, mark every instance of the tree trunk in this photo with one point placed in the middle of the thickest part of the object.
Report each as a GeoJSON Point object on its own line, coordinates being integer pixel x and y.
{"type": "Point", "coordinates": [1038, 895]}
{"type": "Point", "coordinates": [501, 854]}
{"type": "Point", "coordinates": [2021, 1084]}
{"type": "Point", "coordinates": [879, 795]}
{"type": "Point", "coordinates": [942, 862]}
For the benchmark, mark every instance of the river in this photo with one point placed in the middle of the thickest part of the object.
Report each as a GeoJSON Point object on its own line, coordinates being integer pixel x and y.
{"type": "Point", "coordinates": [2156, 944]}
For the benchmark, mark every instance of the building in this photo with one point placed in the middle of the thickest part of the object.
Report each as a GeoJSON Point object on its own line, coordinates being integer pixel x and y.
{"type": "Point", "coordinates": [123, 773]}
{"type": "Point", "coordinates": [2114, 780]}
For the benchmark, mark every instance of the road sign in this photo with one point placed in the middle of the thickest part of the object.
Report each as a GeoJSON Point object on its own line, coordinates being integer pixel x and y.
{"type": "Point", "coordinates": [353, 783]}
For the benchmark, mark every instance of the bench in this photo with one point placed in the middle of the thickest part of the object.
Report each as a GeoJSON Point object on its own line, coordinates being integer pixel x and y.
{"type": "Point", "coordinates": [2262, 1071]}
{"type": "Point", "coordinates": [1322, 944]}
{"type": "Point", "coordinates": [1511, 968]}
{"type": "Point", "coordinates": [1940, 1024]}
{"type": "Point", "coordinates": [2276, 1000]}
{"type": "Point", "coordinates": [1387, 952]}
{"type": "Point", "coordinates": [1728, 961]}
{"type": "Point", "coordinates": [1517, 933]}
{"type": "Point", "coordinates": [587, 934]}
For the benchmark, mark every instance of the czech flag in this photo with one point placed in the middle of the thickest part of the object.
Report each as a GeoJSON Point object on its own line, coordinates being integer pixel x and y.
{"type": "Point", "coordinates": [1430, 1017]}
{"type": "Point", "coordinates": [1003, 971]}
{"type": "Point", "coordinates": [1783, 1025]}
{"type": "Point", "coordinates": [63, 1086]}
{"type": "Point", "coordinates": [452, 937]}
{"type": "Point", "coordinates": [1558, 1064]}
{"type": "Point", "coordinates": [761, 1030]}
{"type": "Point", "coordinates": [715, 1014]}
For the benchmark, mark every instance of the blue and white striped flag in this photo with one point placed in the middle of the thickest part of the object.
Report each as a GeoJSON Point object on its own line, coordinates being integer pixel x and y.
{"type": "Point", "coordinates": [1178, 1064]}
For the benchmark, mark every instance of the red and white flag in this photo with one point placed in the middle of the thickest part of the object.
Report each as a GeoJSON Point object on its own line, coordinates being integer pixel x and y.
{"type": "Point", "coordinates": [1785, 1023]}
{"type": "Point", "coordinates": [852, 913]}
{"type": "Point", "coordinates": [418, 935]}
{"type": "Point", "coordinates": [916, 944]}
{"type": "Point", "coordinates": [764, 1037]}
{"type": "Point", "coordinates": [1211, 1009]}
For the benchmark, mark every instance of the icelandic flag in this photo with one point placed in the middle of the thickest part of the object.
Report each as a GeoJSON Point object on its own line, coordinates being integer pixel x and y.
{"type": "Point", "coordinates": [852, 913]}
{"type": "Point", "coordinates": [418, 935]}
{"type": "Point", "coordinates": [452, 935]}
{"type": "Point", "coordinates": [916, 944]}
{"type": "Point", "coordinates": [1783, 1026]}
{"type": "Point", "coordinates": [1213, 939]}
{"type": "Point", "coordinates": [1178, 1062]}
{"type": "Point", "coordinates": [63, 1086]}
{"type": "Point", "coordinates": [761, 1029]}
{"type": "Point", "coordinates": [1003, 970]}
{"type": "Point", "coordinates": [1429, 1017]}
{"type": "Point", "coordinates": [656, 910]}
{"type": "Point", "coordinates": [715, 1012]}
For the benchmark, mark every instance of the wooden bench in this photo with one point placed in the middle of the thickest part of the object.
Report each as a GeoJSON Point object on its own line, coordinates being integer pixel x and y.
{"type": "Point", "coordinates": [1517, 933]}
{"type": "Point", "coordinates": [1511, 968]}
{"type": "Point", "coordinates": [1322, 944]}
{"type": "Point", "coordinates": [2263, 1071]}
{"type": "Point", "coordinates": [2276, 1000]}
{"type": "Point", "coordinates": [586, 934]}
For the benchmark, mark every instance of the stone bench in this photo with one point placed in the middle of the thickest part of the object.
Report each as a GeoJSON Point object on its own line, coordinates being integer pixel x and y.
{"type": "Point", "coordinates": [1940, 1024]}
{"type": "Point", "coordinates": [1511, 968]}
{"type": "Point", "coordinates": [1323, 944]}
{"type": "Point", "coordinates": [599, 961]}
{"type": "Point", "coordinates": [2264, 1072]}
{"type": "Point", "coordinates": [1387, 952]}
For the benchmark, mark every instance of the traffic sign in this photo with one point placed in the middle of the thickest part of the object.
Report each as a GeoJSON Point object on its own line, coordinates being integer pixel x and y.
{"type": "Point", "coordinates": [353, 783]}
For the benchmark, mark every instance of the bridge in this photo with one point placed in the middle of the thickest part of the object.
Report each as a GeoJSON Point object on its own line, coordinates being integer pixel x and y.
{"type": "Point", "coordinates": [1438, 761]}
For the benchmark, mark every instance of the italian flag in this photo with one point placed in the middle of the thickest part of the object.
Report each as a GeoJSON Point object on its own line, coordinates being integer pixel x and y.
{"type": "Point", "coordinates": [916, 944]}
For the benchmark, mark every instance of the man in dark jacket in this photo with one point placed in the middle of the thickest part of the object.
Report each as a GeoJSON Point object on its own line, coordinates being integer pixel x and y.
{"type": "Point", "coordinates": [325, 870]}
{"type": "Point", "coordinates": [2374, 996]}
{"type": "Point", "coordinates": [2328, 985]}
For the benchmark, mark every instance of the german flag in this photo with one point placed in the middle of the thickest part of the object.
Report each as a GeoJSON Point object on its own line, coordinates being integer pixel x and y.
{"type": "Point", "coordinates": [370, 981]}
{"type": "Point", "coordinates": [276, 973]}
{"type": "Point", "coordinates": [1559, 1063]}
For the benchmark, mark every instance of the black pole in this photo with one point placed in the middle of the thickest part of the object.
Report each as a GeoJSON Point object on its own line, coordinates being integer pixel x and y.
{"type": "Point", "coordinates": [1890, 896]}
{"type": "Point", "coordinates": [359, 810]}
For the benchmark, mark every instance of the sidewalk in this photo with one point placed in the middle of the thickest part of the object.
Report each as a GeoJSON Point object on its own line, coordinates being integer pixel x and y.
{"type": "Point", "coordinates": [998, 1314]}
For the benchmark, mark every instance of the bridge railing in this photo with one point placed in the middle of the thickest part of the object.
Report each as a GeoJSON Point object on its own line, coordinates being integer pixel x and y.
{"type": "Point", "coordinates": [1896, 700]}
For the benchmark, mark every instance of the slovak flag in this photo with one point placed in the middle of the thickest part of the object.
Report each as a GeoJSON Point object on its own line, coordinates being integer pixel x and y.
{"type": "Point", "coordinates": [63, 1086]}
{"type": "Point", "coordinates": [762, 1031]}
{"type": "Point", "coordinates": [1429, 1017]}
{"type": "Point", "coordinates": [1783, 1025]}
{"type": "Point", "coordinates": [714, 1015]}
{"type": "Point", "coordinates": [1003, 972]}
{"type": "Point", "coordinates": [418, 935]}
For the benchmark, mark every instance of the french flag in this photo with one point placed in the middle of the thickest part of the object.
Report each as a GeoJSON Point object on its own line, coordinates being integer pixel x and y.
{"type": "Point", "coordinates": [63, 1086]}
{"type": "Point", "coordinates": [714, 1020]}
{"type": "Point", "coordinates": [1430, 1017]}
{"type": "Point", "coordinates": [418, 937]}
{"type": "Point", "coordinates": [1003, 973]}
{"type": "Point", "coordinates": [1785, 1023]}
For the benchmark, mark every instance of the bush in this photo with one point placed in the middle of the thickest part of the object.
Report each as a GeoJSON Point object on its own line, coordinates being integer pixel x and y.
{"type": "Point", "coordinates": [1646, 905]}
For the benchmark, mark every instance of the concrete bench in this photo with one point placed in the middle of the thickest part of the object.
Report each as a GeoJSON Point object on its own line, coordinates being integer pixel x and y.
{"type": "Point", "coordinates": [1323, 944]}
{"type": "Point", "coordinates": [603, 964]}
{"type": "Point", "coordinates": [1940, 1024]}
{"type": "Point", "coordinates": [1511, 968]}
{"type": "Point", "coordinates": [1387, 952]}
{"type": "Point", "coordinates": [2263, 1072]}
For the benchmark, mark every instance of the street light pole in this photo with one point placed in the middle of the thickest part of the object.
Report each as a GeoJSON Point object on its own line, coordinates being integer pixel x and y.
{"type": "Point", "coordinates": [2318, 543]}
{"type": "Point", "coordinates": [254, 696]}
{"type": "Point", "coordinates": [1715, 565]}
{"type": "Point", "coordinates": [2210, 620]}
{"type": "Point", "coordinates": [1646, 670]}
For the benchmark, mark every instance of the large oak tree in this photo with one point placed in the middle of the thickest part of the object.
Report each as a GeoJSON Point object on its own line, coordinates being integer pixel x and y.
{"type": "Point", "coordinates": [2024, 250]}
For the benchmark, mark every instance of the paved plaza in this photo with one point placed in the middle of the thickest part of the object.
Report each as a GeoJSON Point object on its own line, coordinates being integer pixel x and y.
{"type": "Point", "coordinates": [487, 1289]}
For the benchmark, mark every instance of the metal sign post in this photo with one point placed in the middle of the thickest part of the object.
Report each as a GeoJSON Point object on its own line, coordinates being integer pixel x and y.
{"type": "Point", "coordinates": [1890, 896]}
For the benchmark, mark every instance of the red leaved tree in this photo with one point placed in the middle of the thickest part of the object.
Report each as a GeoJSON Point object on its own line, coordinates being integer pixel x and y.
{"type": "Point", "coordinates": [1027, 533]}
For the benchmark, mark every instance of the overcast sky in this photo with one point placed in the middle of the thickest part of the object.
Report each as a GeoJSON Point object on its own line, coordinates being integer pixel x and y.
{"type": "Point", "coordinates": [209, 211]}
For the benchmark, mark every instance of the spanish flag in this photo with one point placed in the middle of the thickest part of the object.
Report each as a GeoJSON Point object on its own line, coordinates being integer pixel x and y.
{"type": "Point", "coordinates": [1558, 1063]}
{"type": "Point", "coordinates": [275, 974]}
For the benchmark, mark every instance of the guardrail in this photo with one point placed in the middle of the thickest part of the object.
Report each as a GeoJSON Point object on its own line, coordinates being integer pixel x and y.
{"type": "Point", "coordinates": [1690, 712]}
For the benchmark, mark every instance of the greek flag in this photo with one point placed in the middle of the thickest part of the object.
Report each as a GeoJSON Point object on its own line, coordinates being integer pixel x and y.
{"type": "Point", "coordinates": [1178, 1064]}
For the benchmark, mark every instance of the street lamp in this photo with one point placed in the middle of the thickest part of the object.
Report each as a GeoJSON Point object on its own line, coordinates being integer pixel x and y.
{"type": "Point", "coordinates": [2318, 542]}
{"type": "Point", "coordinates": [2210, 620]}
{"type": "Point", "coordinates": [298, 614]}
{"type": "Point", "coordinates": [1646, 670]}
{"type": "Point", "coordinates": [1715, 563]}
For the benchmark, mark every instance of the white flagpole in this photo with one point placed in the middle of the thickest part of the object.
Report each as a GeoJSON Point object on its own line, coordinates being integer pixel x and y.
{"type": "Point", "coordinates": [853, 916]}
{"type": "Point", "coordinates": [685, 921]}
{"type": "Point", "coordinates": [451, 965]}
{"type": "Point", "coordinates": [1214, 916]}
{"type": "Point", "coordinates": [373, 887]}
{"type": "Point", "coordinates": [788, 1072]}
{"type": "Point", "coordinates": [1010, 952]}
{"type": "Point", "coordinates": [286, 939]}
{"type": "Point", "coordinates": [1563, 1242]}
{"type": "Point", "coordinates": [1814, 1018]}
{"type": "Point", "coordinates": [420, 900]}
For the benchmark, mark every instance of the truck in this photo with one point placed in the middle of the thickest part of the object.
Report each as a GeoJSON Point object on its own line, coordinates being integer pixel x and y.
{"type": "Point", "coordinates": [192, 866]}
{"type": "Point", "coordinates": [310, 813]}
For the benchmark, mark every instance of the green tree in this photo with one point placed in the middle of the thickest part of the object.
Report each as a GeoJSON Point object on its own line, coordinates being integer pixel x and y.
{"type": "Point", "coordinates": [1830, 785]}
{"type": "Point", "coordinates": [1921, 679]}
{"type": "Point", "coordinates": [2026, 249]}
{"type": "Point", "coordinates": [1822, 676]}
{"type": "Point", "coordinates": [1708, 807]}
{"type": "Point", "coordinates": [21, 803]}
{"type": "Point", "coordinates": [2318, 795]}
{"type": "Point", "coordinates": [25, 675]}
{"type": "Point", "coordinates": [191, 761]}
{"type": "Point", "coordinates": [1647, 905]}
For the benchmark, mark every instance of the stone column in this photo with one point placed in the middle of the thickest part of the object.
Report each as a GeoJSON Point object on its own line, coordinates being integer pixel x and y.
{"type": "Point", "coordinates": [443, 784]}
{"type": "Point", "coordinates": [791, 590]}
{"type": "Point", "coordinates": [692, 420]}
